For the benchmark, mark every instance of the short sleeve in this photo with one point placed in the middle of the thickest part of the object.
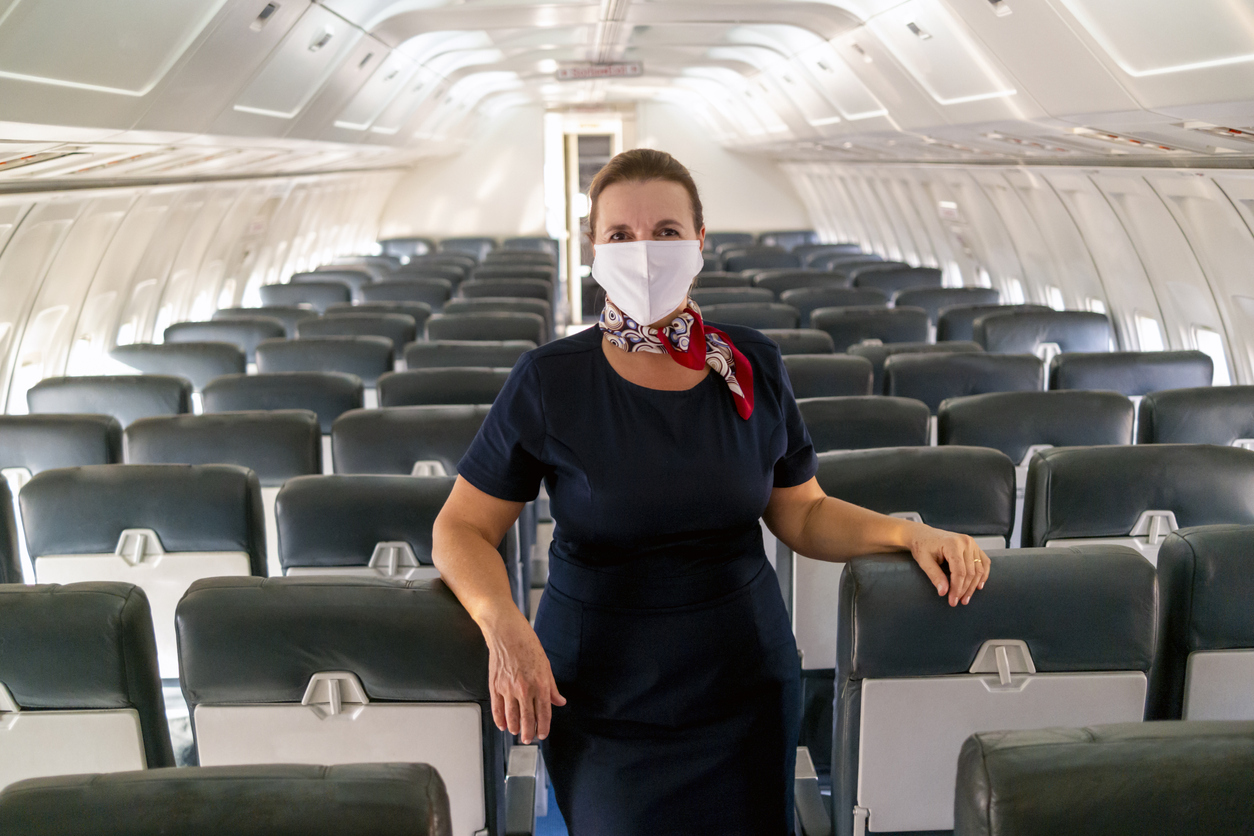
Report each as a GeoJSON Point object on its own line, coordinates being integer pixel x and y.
{"type": "Point", "coordinates": [799, 462]}
{"type": "Point", "coordinates": [504, 458]}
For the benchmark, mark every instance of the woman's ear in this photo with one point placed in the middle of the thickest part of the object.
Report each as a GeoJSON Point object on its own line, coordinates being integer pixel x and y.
{"type": "Point", "coordinates": [701, 237]}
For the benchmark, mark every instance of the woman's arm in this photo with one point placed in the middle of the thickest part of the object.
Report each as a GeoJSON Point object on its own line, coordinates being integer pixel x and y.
{"type": "Point", "coordinates": [818, 526]}
{"type": "Point", "coordinates": [464, 541]}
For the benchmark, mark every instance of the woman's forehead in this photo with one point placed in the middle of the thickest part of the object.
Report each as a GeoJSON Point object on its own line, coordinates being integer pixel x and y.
{"type": "Point", "coordinates": [648, 202]}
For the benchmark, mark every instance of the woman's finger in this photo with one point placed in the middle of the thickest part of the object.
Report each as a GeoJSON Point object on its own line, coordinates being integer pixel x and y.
{"type": "Point", "coordinates": [970, 556]}
{"type": "Point", "coordinates": [498, 707]}
{"type": "Point", "coordinates": [527, 719]}
{"type": "Point", "coordinates": [959, 572]}
{"type": "Point", "coordinates": [544, 715]}
{"type": "Point", "coordinates": [934, 572]}
{"type": "Point", "coordinates": [513, 712]}
{"type": "Point", "coordinates": [984, 567]}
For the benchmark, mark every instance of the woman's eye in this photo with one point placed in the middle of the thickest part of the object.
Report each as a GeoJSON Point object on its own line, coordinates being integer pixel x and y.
{"type": "Point", "coordinates": [669, 232]}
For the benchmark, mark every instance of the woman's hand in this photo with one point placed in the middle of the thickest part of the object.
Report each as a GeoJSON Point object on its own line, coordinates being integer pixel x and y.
{"type": "Point", "coordinates": [520, 679]}
{"type": "Point", "coordinates": [968, 564]}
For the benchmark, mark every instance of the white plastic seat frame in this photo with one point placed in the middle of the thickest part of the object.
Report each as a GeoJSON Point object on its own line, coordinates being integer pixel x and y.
{"type": "Point", "coordinates": [1219, 685]}
{"type": "Point", "coordinates": [17, 477]}
{"type": "Point", "coordinates": [1146, 536]}
{"type": "Point", "coordinates": [393, 560]}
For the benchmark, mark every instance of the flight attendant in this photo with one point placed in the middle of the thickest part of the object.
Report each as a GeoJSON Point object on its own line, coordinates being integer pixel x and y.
{"type": "Point", "coordinates": [661, 677]}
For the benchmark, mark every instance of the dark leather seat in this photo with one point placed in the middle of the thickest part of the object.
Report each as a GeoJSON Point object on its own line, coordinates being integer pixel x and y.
{"type": "Point", "coordinates": [289, 315]}
{"type": "Point", "coordinates": [283, 800]}
{"type": "Point", "coordinates": [487, 326]}
{"type": "Point", "coordinates": [957, 322]}
{"type": "Point", "coordinates": [892, 281]}
{"type": "Point", "coordinates": [859, 423]}
{"type": "Point", "coordinates": [319, 295]}
{"type": "Point", "coordinates": [879, 354]}
{"type": "Point", "coordinates": [808, 252]}
{"type": "Point", "coordinates": [827, 375]}
{"type": "Point", "coordinates": [758, 258]}
{"type": "Point", "coordinates": [1219, 415]}
{"type": "Point", "coordinates": [420, 311]}
{"type": "Point", "coordinates": [433, 292]}
{"type": "Point", "coordinates": [782, 280]}
{"type": "Point", "coordinates": [512, 286]}
{"type": "Point", "coordinates": [503, 304]}
{"type": "Point", "coordinates": [126, 397]}
{"type": "Point", "coordinates": [516, 272]}
{"type": "Point", "coordinates": [935, 299]}
{"type": "Point", "coordinates": [400, 439]}
{"type": "Point", "coordinates": [79, 683]}
{"type": "Point", "coordinates": [527, 243]}
{"type": "Point", "coordinates": [407, 247]}
{"type": "Point", "coordinates": [367, 357]}
{"type": "Point", "coordinates": [753, 314]}
{"type": "Point", "coordinates": [800, 340]}
{"type": "Point", "coordinates": [441, 386]}
{"type": "Point", "coordinates": [843, 262]}
{"type": "Point", "coordinates": [243, 332]}
{"type": "Point", "coordinates": [355, 279]}
{"type": "Point", "coordinates": [714, 240]}
{"type": "Point", "coordinates": [198, 362]}
{"type": "Point", "coordinates": [465, 261]}
{"type": "Point", "coordinates": [809, 299]}
{"type": "Point", "coordinates": [851, 325]}
{"type": "Point", "coordinates": [711, 263]}
{"type": "Point", "coordinates": [704, 296]}
{"type": "Point", "coordinates": [10, 551]}
{"type": "Point", "coordinates": [1024, 332]}
{"type": "Point", "coordinates": [716, 278]}
{"type": "Point", "coordinates": [862, 264]}
{"type": "Point", "coordinates": [789, 239]}
{"type": "Point", "coordinates": [327, 394]}
{"type": "Point", "coordinates": [429, 268]}
{"type": "Point", "coordinates": [932, 378]}
{"type": "Point", "coordinates": [1131, 373]}
{"type": "Point", "coordinates": [499, 354]}
{"type": "Point", "coordinates": [400, 329]}
{"type": "Point", "coordinates": [1151, 779]}
{"type": "Point", "coordinates": [474, 246]}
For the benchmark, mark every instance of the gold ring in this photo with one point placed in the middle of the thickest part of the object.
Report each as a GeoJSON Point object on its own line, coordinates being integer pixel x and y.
{"type": "Point", "coordinates": [977, 560]}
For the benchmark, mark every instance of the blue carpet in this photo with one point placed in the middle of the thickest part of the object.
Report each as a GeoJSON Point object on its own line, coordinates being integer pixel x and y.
{"type": "Point", "coordinates": [552, 824]}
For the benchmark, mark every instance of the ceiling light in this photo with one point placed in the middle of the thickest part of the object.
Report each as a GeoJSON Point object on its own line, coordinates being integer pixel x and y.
{"type": "Point", "coordinates": [548, 65]}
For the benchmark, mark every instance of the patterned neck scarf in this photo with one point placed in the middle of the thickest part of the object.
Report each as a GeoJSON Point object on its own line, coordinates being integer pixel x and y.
{"type": "Point", "coordinates": [690, 343]}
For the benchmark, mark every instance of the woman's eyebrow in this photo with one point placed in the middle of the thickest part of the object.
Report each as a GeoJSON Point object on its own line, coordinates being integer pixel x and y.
{"type": "Point", "coordinates": [667, 222]}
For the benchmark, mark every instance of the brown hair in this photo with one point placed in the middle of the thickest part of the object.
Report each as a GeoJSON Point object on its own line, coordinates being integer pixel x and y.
{"type": "Point", "coordinates": [641, 165]}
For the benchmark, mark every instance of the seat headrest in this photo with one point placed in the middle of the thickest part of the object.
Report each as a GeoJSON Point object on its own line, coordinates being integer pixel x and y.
{"type": "Point", "coordinates": [508, 281]}
{"type": "Point", "coordinates": [705, 296]}
{"type": "Point", "coordinates": [970, 490]}
{"type": "Point", "coordinates": [398, 328]}
{"type": "Point", "coordinates": [261, 639]}
{"type": "Point", "coordinates": [319, 294]}
{"type": "Point", "coordinates": [933, 299]}
{"type": "Point", "coordinates": [932, 378]}
{"type": "Point", "coordinates": [500, 304]}
{"type": "Point", "coordinates": [419, 311]}
{"type": "Point", "coordinates": [1210, 571]}
{"type": "Point", "coordinates": [1206, 415]}
{"type": "Point", "coordinates": [809, 299]}
{"type": "Point", "coordinates": [1022, 332]}
{"type": "Point", "coordinates": [828, 375]}
{"type": "Point", "coordinates": [859, 423]}
{"type": "Point", "coordinates": [432, 291]}
{"type": "Point", "coordinates": [492, 354]}
{"type": "Point", "coordinates": [84, 646]}
{"type": "Point", "coordinates": [1089, 608]}
{"type": "Point", "coordinates": [1131, 373]}
{"type": "Point", "coordinates": [192, 508]}
{"type": "Point", "coordinates": [878, 354]}
{"type": "Point", "coordinates": [243, 332]}
{"type": "Point", "coordinates": [1014, 421]}
{"type": "Point", "coordinates": [753, 314]}
{"type": "Point", "coordinates": [126, 397]}
{"type": "Point", "coordinates": [1102, 491]}
{"type": "Point", "coordinates": [198, 362]}
{"type": "Point", "coordinates": [10, 556]}
{"type": "Point", "coordinates": [275, 445]}
{"type": "Point", "coordinates": [289, 315]}
{"type": "Point", "coordinates": [352, 278]}
{"type": "Point", "coordinates": [387, 799]}
{"type": "Point", "coordinates": [446, 386]}
{"type": "Point", "coordinates": [956, 322]}
{"type": "Point", "coordinates": [800, 340]}
{"type": "Point", "coordinates": [41, 442]}
{"type": "Point", "coordinates": [367, 357]}
{"type": "Point", "coordinates": [1152, 779]}
{"type": "Point", "coordinates": [848, 326]}
{"type": "Point", "coordinates": [391, 439]}
{"type": "Point", "coordinates": [893, 280]}
{"type": "Point", "coordinates": [782, 281]}
{"type": "Point", "coordinates": [329, 394]}
{"type": "Point", "coordinates": [486, 326]}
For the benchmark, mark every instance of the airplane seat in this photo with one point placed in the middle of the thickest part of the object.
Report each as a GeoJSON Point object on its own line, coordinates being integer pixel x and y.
{"type": "Point", "coordinates": [158, 526]}
{"type": "Point", "coordinates": [432, 292]}
{"type": "Point", "coordinates": [854, 324]}
{"type": "Point", "coordinates": [441, 386]}
{"type": "Point", "coordinates": [1205, 669]}
{"type": "Point", "coordinates": [861, 422]}
{"type": "Point", "coordinates": [1043, 333]}
{"type": "Point", "coordinates": [801, 340]}
{"type": "Point", "coordinates": [788, 239]}
{"type": "Point", "coordinates": [740, 259]}
{"type": "Point", "coordinates": [376, 267]}
{"type": "Point", "coordinates": [705, 296]}
{"type": "Point", "coordinates": [126, 397]}
{"type": "Point", "coordinates": [957, 322]}
{"type": "Point", "coordinates": [367, 357]}
{"type": "Point", "coordinates": [276, 446]}
{"type": "Point", "coordinates": [711, 263]}
{"type": "Point", "coordinates": [474, 246]}
{"type": "Point", "coordinates": [935, 299]}
{"type": "Point", "coordinates": [1131, 373]}
{"type": "Point", "coordinates": [780, 281]}
{"type": "Point", "coordinates": [503, 304]}
{"type": "Point", "coordinates": [806, 252]}
{"type": "Point", "coordinates": [487, 326]}
{"type": "Point", "coordinates": [752, 314]}
{"type": "Point", "coordinates": [527, 243]}
{"type": "Point", "coordinates": [1204, 415]}
{"type": "Point", "coordinates": [878, 354]}
{"type": "Point", "coordinates": [451, 269]}
{"type": "Point", "coordinates": [420, 311]}
{"type": "Point", "coordinates": [516, 272]}
{"type": "Point", "coordinates": [1134, 495]}
{"type": "Point", "coordinates": [407, 247]}
{"type": "Point", "coordinates": [79, 690]}
{"type": "Point", "coordinates": [499, 354]}
{"type": "Point", "coordinates": [842, 262]}
{"type": "Point", "coordinates": [827, 375]}
{"type": "Point", "coordinates": [289, 315]}
{"type": "Point", "coordinates": [317, 293]}
{"type": "Point", "coordinates": [11, 560]}
{"type": "Point", "coordinates": [401, 329]}
{"type": "Point", "coordinates": [336, 670]}
{"type": "Point", "coordinates": [968, 490]}
{"type": "Point", "coordinates": [933, 377]}
{"type": "Point", "coordinates": [1062, 638]}
{"type": "Point", "coordinates": [856, 266]}
{"type": "Point", "coordinates": [896, 279]}
{"type": "Point", "coordinates": [198, 362]}
{"type": "Point", "coordinates": [1152, 779]}
{"type": "Point", "coordinates": [405, 440]}
{"type": "Point", "coordinates": [522, 288]}
{"type": "Point", "coordinates": [355, 279]}
{"type": "Point", "coordinates": [242, 331]}
{"type": "Point", "coordinates": [1021, 423]}
{"type": "Point", "coordinates": [717, 278]}
{"type": "Point", "coordinates": [380, 799]}
{"type": "Point", "coordinates": [809, 299]}
{"type": "Point", "coordinates": [714, 240]}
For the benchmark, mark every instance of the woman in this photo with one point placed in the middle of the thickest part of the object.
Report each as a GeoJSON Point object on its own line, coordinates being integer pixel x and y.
{"type": "Point", "coordinates": [661, 677]}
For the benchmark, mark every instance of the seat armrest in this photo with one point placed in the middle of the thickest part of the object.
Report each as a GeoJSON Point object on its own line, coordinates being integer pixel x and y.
{"type": "Point", "coordinates": [812, 818]}
{"type": "Point", "coordinates": [522, 783]}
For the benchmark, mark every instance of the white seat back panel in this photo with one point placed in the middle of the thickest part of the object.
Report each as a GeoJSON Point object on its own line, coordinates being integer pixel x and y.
{"type": "Point", "coordinates": [269, 495]}
{"type": "Point", "coordinates": [445, 735]}
{"type": "Point", "coordinates": [164, 578]}
{"type": "Point", "coordinates": [1140, 544]}
{"type": "Point", "coordinates": [38, 744]}
{"type": "Point", "coordinates": [912, 730]}
{"type": "Point", "coordinates": [1219, 685]}
{"type": "Point", "coordinates": [17, 477]}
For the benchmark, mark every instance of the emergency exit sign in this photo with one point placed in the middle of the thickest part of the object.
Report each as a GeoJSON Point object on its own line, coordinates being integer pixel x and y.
{"type": "Point", "coordinates": [582, 72]}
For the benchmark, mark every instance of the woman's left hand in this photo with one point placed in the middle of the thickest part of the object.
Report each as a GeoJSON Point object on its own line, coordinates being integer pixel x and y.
{"type": "Point", "coordinates": [968, 564]}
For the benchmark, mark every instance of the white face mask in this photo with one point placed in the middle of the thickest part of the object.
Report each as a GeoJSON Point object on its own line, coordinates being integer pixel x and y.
{"type": "Point", "coordinates": [647, 279]}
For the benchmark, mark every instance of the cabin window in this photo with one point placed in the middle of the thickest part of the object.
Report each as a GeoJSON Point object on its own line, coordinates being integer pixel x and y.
{"type": "Point", "coordinates": [1095, 305]}
{"type": "Point", "coordinates": [1054, 295]}
{"type": "Point", "coordinates": [1212, 343]}
{"type": "Point", "coordinates": [1014, 292]}
{"type": "Point", "coordinates": [1149, 333]}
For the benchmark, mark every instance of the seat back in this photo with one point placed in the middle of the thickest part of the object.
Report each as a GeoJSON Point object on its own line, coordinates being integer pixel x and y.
{"type": "Point", "coordinates": [319, 295]}
{"type": "Point", "coordinates": [862, 422]}
{"type": "Point", "coordinates": [512, 286]}
{"type": "Point", "coordinates": [1132, 373]}
{"type": "Point", "coordinates": [405, 440]}
{"type": "Point", "coordinates": [932, 378]}
{"type": "Point", "coordinates": [705, 296]}
{"type": "Point", "coordinates": [473, 246]}
{"type": "Point", "coordinates": [420, 311]}
{"type": "Point", "coordinates": [355, 279]}
{"type": "Point", "coordinates": [781, 281]}
{"type": "Point", "coordinates": [288, 315]}
{"type": "Point", "coordinates": [849, 326]}
{"type": "Point", "coordinates": [407, 247]}
{"type": "Point", "coordinates": [441, 386]}
{"type": "Point", "coordinates": [344, 670]}
{"type": "Point", "coordinates": [715, 278]}
{"type": "Point", "coordinates": [367, 357]}
{"type": "Point", "coordinates": [401, 329]}
{"type": "Point", "coordinates": [934, 299]}
{"type": "Point", "coordinates": [158, 526]}
{"type": "Point", "coordinates": [714, 240]}
{"type": "Point", "coordinates": [957, 322]}
{"type": "Point", "coordinates": [1219, 415]}
{"type": "Point", "coordinates": [1205, 668]}
{"type": "Point", "coordinates": [1035, 332]}
{"type": "Point", "coordinates": [10, 553]}
{"type": "Point", "coordinates": [806, 252]}
{"type": "Point", "coordinates": [452, 272]}
{"type": "Point", "coordinates": [895, 280]}
{"type": "Point", "coordinates": [809, 299]}
{"type": "Point", "coordinates": [487, 326]}
{"type": "Point", "coordinates": [126, 397]}
{"type": "Point", "coordinates": [327, 394]}
{"type": "Point", "coordinates": [1189, 778]}
{"type": "Point", "coordinates": [827, 375]}
{"type": "Point", "coordinates": [244, 332]}
{"type": "Point", "coordinates": [433, 292]}
{"type": "Point", "coordinates": [843, 261]}
{"type": "Point", "coordinates": [800, 340]}
{"type": "Point", "coordinates": [1134, 496]}
{"type": "Point", "coordinates": [789, 239]}
{"type": "Point", "coordinates": [503, 304]}
{"type": "Point", "coordinates": [878, 354]}
{"type": "Point", "coordinates": [753, 314]}
{"type": "Point", "coordinates": [758, 258]}
{"type": "Point", "coordinates": [498, 354]}
{"type": "Point", "coordinates": [529, 243]}
{"type": "Point", "coordinates": [78, 682]}
{"type": "Point", "coordinates": [385, 799]}
{"type": "Point", "coordinates": [1061, 638]}
{"type": "Point", "coordinates": [197, 362]}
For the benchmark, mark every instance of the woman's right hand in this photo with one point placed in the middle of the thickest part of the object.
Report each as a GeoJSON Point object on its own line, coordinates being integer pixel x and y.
{"type": "Point", "coordinates": [520, 678]}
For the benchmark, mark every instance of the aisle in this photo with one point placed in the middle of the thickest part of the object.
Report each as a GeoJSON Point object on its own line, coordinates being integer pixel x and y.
{"type": "Point", "coordinates": [552, 824]}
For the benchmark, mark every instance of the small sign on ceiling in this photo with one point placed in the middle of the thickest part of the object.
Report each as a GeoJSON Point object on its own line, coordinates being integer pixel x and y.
{"type": "Point", "coordinates": [582, 72]}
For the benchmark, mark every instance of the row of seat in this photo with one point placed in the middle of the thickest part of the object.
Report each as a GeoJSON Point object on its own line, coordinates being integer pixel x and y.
{"type": "Point", "coordinates": [325, 289]}
{"type": "Point", "coordinates": [478, 247]}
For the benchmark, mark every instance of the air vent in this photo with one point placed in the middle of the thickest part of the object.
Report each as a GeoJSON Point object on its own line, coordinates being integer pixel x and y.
{"type": "Point", "coordinates": [363, 62]}
{"type": "Point", "coordinates": [1233, 136]}
{"type": "Point", "coordinates": [1000, 8]}
{"type": "Point", "coordinates": [920, 33]}
{"type": "Point", "coordinates": [264, 17]}
{"type": "Point", "coordinates": [865, 55]}
{"type": "Point", "coordinates": [322, 39]}
{"type": "Point", "coordinates": [1032, 144]}
{"type": "Point", "coordinates": [1125, 143]}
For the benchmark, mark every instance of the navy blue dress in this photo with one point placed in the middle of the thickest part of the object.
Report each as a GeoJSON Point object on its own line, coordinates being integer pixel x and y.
{"type": "Point", "coordinates": [662, 618]}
